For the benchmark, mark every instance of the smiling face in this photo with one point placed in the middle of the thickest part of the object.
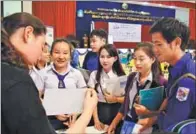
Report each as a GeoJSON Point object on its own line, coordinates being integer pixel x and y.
{"type": "Point", "coordinates": [106, 60]}
{"type": "Point", "coordinates": [61, 55]}
{"type": "Point", "coordinates": [142, 61]}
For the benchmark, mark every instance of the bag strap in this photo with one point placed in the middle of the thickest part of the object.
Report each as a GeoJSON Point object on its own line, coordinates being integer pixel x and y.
{"type": "Point", "coordinates": [187, 75]}
{"type": "Point", "coordinates": [181, 124]}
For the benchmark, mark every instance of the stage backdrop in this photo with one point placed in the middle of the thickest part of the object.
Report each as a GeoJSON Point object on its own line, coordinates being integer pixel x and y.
{"type": "Point", "coordinates": [93, 12]}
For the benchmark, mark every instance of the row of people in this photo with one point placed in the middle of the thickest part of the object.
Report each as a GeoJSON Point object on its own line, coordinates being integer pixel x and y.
{"type": "Point", "coordinates": [61, 75]}
{"type": "Point", "coordinates": [148, 75]}
{"type": "Point", "coordinates": [108, 57]}
{"type": "Point", "coordinates": [170, 39]}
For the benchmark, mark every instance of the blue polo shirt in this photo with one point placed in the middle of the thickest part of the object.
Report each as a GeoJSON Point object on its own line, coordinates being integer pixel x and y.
{"type": "Point", "coordinates": [182, 97]}
{"type": "Point", "coordinates": [91, 61]}
{"type": "Point", "coordinates": [75, 59]}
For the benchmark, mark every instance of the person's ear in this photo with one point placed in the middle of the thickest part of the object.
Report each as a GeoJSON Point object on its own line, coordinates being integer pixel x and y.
{"type": "Point", "coordinates": [153, 60]}
{"type": "Point", "coordinates": [178, 42]}
{"type": "Point", "coordinates": [104, 41]}
{"type": "Point", "coordinates": [115, 58]}
{"type": "Point", "coordinates": [28, 34]}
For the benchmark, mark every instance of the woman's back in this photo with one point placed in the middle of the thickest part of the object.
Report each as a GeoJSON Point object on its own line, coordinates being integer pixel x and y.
{"type": "Point", "coordinates": [18, 92]}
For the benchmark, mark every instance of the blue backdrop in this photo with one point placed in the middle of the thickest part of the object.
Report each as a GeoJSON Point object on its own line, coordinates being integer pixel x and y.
{"type": "Point", "coordinates": [88, 11]}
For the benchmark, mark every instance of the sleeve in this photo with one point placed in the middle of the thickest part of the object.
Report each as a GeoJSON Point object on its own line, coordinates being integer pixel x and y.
{"type": "Point", "coordinates": [39, 80]}
{"type": "Point", "coordinates": [183, 100]}
{"type": "Point", "coordinates": [75, 59]}
{"type": "Point", "coordinates": [81, 82]}
{"type": "Point", "coordinates": [186, 97]}
{"type": "Point", "coordinates": [92, 80]}
{"type": "Point", "coordinates": [23, 112]}
{"type": "Point", "coordinates": [125, 103]}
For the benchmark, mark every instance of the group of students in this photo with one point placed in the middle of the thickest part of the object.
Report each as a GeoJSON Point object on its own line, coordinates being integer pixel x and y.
{"type": "Point", "coordinates": [23, 39]}
{"type": "Point", "coordinates": [26, 39]}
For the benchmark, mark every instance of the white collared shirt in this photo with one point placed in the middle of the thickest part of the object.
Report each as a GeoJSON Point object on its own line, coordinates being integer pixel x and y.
{"type": "Point", "coordinates": [149, 78]}
{"type": "Point", "coordinates": [133, 91]}
{"type": "Point", "coordinates": [104, 76]}
{"type": "Point", "coordinates": [36, 76]}
{"type": "Point", "coordinates": [74, 79]}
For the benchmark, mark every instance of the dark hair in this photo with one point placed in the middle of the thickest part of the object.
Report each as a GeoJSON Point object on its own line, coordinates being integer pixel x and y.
{"type": "Point", "coordinates": [147, 47]}
{"type": "Point", "coordinates": [171, 28]}
{"type": "Point", "coordinates": [100, 33]}
{"type": "Point", "coordinates": [9, 25]}
{"type": "Point", "coordinates": [72, 39]}
{"type": "Point", "coordinates": [58, 40]}
{"type": "Point", "coordinates": [15, 21]}
{"type": "Point", "coordinates": [117, 67]}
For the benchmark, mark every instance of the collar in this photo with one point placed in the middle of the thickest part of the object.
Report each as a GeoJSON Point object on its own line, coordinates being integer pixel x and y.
{"type": "Point", "coordinates": [110, 74]}
{"type": "Point", "coordinates": [176, 70]}
{"type": "Point", "coordinates": [149, 78]}
{"type": "Point", "coordinates": [33, 69]}
{"type": "Point", "coordinates": [45, 66]}
{"type": "Point", "coordinates": [69, 68]}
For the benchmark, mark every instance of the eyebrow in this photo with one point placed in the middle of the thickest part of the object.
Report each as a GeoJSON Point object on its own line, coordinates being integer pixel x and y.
{"type": "Point", "coordinates": [156, 41]}
{"type": "Point", "coordinates": [139, 56]}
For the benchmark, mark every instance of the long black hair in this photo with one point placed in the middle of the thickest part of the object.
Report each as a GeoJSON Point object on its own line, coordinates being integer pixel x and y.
{"type": "Point", "coordinates": [117, 67]}
{"type": "Point", "coordinates": [147, 47]}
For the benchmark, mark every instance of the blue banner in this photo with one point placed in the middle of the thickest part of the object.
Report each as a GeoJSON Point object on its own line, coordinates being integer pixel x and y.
{"type": "Point", "coordinates": [104, 11]}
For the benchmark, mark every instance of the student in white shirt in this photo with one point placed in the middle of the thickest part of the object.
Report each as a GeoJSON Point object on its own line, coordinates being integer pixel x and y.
{"type": "Point", "coordinates": [44, 59]}
{"type": "Point", "coordinates": [108, 67]}
{"type": "Point", "coordinates": [61, 75]}
{"type": "Point", "coordinates": [42, 63]}
{"type": "Point", "coordinates": [148, 75]}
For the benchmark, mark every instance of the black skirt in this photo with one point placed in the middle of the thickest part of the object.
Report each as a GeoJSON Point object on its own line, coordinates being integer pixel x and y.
{"type": "Point", "coordinates": [107, 111]}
